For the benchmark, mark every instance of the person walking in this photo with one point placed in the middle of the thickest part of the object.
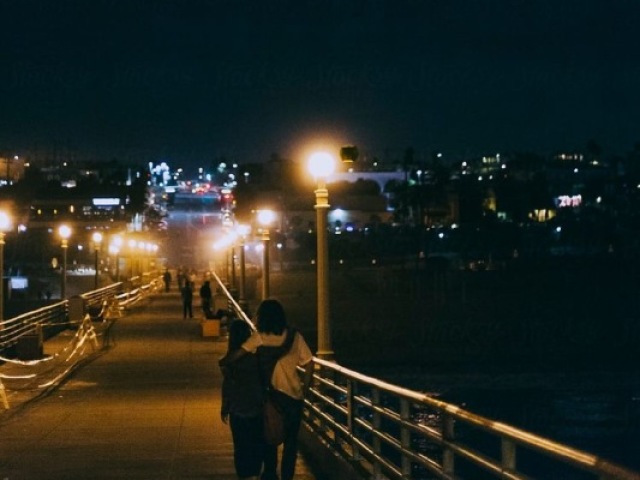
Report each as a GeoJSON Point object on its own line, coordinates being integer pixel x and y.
{"type": "Point", "coordinates": [187, 300]}
{"type": "Point", "coordinates": [285, 383]}
{"type": "Point", "coordinates": [166, 277]}
{"type": "Point", "coordinates": [242, 399]}
{"type": "Point", "coordinates": [205, 299]}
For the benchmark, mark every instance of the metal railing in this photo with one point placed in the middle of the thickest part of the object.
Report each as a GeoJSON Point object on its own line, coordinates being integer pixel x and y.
{"type": "Point", "coordinates": [388, 432]}
{"type": "Point", "coordinates": [54, 318]}
{"type": "Point", "coordinates": [50, 319]}
{"type": "Point", "coordinates": [98, 297]}
{"type": "Point", "coordinates": [396, 433]}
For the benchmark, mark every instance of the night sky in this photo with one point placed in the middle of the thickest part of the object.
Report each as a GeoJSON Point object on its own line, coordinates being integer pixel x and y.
{"type": "Point", "coordinates": [189, 81]}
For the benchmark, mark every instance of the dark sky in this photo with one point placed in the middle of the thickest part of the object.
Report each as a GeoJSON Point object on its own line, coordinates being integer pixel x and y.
{"type": "Point", "coordinates": [188, 81]}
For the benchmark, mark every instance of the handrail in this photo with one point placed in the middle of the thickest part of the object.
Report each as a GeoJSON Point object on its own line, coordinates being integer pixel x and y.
{"type": "Point", "coordinates": [96, 297]}
{"type": "Point", "coordinates": [13, 328]}
{"type": "Point", "coordinates": [236, 306]}
{"type": "Point", "coordinates": [357, 415]}
{"type": "Point", "coordinates": [56, 316]}
{"type": "Point", "coordinates": [388, 431]}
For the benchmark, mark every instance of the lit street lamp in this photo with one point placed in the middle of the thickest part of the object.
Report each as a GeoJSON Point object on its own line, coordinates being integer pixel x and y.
{"type": "Point", "coordinates": [5, 226]}
{"type": "Point", "coordinates": [265, 218]}
{"type": "Point", "coordinates": [322, 164]}
{"type": "Point", "coordinates": [65, 232]}
{"type": "Point", "coordinates": [97, 240]}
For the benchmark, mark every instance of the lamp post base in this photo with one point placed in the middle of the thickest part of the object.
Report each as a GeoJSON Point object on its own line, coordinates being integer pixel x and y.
{"type": "Point", "coordinates": [325, 355]}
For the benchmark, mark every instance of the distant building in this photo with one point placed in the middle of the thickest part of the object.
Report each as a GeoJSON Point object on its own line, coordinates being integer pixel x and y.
{"type": "Point", "coordinates": [11, 169]}
{"type": "Point", "coordinates": [97, 212]}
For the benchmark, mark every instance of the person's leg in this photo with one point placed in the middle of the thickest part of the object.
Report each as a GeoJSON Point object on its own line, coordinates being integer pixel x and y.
{"type": "Point", "coordinates": [293, 418]}
{"type": "Point", "coordinates": [270, 463]}
{"type": "Point", "coordinates": [247, 445]}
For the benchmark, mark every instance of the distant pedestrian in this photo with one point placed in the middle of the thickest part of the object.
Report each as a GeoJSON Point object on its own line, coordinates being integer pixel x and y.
{"type": "Point", "coordinates": [205, 299]}
{"type": "Point", "coordinates": [181, 278]}
{"type": "Point", "coordinates": [242, 398]}
{"type": "Point", "coordinates": [166, 277]}
{"type": "Point", "coordinates": [187, 300]}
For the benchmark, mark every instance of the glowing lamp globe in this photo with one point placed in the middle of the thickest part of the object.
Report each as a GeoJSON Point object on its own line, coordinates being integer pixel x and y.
{"type": "Point", "coordinates": [321, 164]}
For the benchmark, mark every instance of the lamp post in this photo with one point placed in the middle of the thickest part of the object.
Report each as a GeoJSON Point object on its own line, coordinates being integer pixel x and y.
{"type": "Point", "coordinates": [132, 252]}
{"type": "Point", "coordinates": [5, 226]}
{"type": "Point", "coordinates": [150, 250]}
{"type": "Point", "coordinates": [265, 217]}
{"type": "Point", "coordinates": [65, 232]}
{"type": "Point", "coordinates": [232, 259]}
{"type": "Point", "coordinates": [243, 231]}
{"type": "Point", "coordinates": [115, 247]}
{"type": "Point", "coordinates": [322, 164]}
{"type": "Point", "coordinates": [142, 248]}
{"type": "Point", "coordinates": [97, 241]}
{"type": "Point", "coordinates": [114, 251]}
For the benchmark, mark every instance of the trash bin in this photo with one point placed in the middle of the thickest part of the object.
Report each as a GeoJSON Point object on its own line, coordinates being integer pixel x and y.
{"type": "Point", "coordinates": [30, 345]}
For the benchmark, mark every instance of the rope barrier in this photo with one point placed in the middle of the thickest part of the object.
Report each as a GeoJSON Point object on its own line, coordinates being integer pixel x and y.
{"type": "Point", "coordinates": [113, 309]}
{"type": "Point", "coordinates": [43, 373]}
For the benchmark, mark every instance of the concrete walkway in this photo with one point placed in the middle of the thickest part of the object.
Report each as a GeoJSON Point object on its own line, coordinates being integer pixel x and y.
{"type": "Point", "coordinates": [147, 407]}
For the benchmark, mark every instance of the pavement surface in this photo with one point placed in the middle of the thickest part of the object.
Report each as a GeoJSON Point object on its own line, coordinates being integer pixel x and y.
{"type": "Point", "coordinates": [143, 404]}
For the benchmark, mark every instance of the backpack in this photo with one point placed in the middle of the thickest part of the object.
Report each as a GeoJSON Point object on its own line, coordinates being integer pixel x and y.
{"type": "Point", "coordinates": [269, 356]}
{"type": "Point", "coordinates": [274, 407]}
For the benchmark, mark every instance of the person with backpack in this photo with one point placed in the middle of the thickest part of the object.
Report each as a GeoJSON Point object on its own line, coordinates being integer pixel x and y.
{"type": "Point", "coordinates": [281, 350]}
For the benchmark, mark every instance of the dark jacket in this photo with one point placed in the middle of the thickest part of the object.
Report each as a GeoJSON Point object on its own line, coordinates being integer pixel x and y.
{"type": "Point", "coordinates": [187, 293]}
{"type": "Point", "coordinates": [242, 392]}
{"type": "Point", "coordinates": [205, 291]}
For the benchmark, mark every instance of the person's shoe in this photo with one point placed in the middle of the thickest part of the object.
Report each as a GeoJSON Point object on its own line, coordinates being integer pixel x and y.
{"type": "Point", "coordinates": [269, 477]}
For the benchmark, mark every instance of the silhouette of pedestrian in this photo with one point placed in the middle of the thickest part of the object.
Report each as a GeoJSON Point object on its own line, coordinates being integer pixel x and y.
{"type": "Point", "coordinates": [187, 300]}
{"type": "Point", "coordinates": [205, 299]}
{"type": "Point", "coordinates": [166, 277]}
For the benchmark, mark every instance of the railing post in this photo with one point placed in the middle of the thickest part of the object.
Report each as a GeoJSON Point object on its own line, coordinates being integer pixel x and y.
{"type": "Point", "coordinates": [376, 422]}
{"type": "Point", "coordinates": [508, 455]}
{"type": "Point", "coordinates": [352, 391]}
{"type": "Point", "coordinates": [405, 437]}
{"type": "Point", "coordinates": [448, 433]}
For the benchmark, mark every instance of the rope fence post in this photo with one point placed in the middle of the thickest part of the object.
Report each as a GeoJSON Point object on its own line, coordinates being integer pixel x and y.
{"type": "Point", "coordinates": [3, 394]}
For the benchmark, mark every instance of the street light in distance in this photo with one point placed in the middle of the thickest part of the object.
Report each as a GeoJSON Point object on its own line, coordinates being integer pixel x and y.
{"type": "Point", "coordinates": [265, 219]}
{"type": "Point", "coordinates": [65, 232]}
{"type": "Point", "coordinates": [97, 241]}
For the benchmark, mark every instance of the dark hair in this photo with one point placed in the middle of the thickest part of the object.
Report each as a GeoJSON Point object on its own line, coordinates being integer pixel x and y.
{"type": "Point", "coordinates": [239, 332]}
{"type": "Point", "coordinates": [271, 317]}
